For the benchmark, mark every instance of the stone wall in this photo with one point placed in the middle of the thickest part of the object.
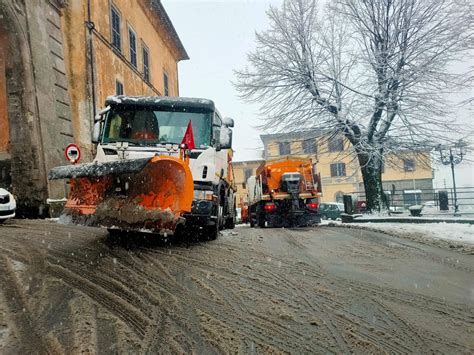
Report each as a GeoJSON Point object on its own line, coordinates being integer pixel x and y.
{"type": "Point", "coordinates": [37, 100]}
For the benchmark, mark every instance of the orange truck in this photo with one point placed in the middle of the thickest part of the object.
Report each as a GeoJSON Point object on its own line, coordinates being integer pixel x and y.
{"type": "Point", "coordinates": [284, 193]}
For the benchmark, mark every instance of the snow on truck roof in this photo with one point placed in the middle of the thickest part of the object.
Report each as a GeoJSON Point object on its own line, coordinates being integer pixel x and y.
{"type": "Point", "coordinates": [162, 101]}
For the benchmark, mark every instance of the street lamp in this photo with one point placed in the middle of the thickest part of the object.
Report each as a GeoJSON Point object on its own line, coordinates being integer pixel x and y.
{"type": "Point", "coordinates": [452, 155]}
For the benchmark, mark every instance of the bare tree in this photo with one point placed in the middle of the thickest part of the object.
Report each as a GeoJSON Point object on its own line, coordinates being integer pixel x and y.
{"type": "Point", "coordinates": [380, 72]}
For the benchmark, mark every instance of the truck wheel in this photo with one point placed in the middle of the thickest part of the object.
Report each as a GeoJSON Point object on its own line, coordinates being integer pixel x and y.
{"type": "Point", "coordinates": [252, 223]}
{"type": "Point", "coordinates": [230, 223]}
{"type": "Point", "coordinates": [211, 232]}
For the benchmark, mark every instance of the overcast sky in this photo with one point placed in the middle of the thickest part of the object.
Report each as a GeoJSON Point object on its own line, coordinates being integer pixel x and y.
{"type": "Point", "coordinates": [217, 36]}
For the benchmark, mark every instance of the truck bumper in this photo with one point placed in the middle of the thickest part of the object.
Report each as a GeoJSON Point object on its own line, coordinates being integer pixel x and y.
{"type": "Point", "coordinates": [293, 219]}
{"type": "Point", "coordinates": [201, 214]}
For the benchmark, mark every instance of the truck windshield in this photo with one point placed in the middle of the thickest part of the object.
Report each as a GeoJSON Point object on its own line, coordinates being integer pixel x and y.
{"type": "Point", "coordinates": [158, 126]}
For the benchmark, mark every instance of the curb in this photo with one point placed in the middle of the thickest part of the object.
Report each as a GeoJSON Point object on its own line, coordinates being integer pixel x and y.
{"type": "Point", "coordinates": [407, 220]}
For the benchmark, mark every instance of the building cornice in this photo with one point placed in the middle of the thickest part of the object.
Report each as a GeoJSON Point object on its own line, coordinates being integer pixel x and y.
{"type": "Point", "coordinates": [60, 4]}
{"type": "Point", "coordinates": [163, 22]}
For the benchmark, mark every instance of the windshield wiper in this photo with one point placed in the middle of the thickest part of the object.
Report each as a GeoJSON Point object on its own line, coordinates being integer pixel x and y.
{"type": "Point", "coordinates": [129, 143]}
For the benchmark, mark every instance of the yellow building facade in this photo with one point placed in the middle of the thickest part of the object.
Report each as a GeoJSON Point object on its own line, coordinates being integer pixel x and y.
{"type": "Point", "coordinates": [242, 171]}
{"type": "Point", "coordinates": [59, 60]}
{"type": "Point", "coordinates": [117, 47]}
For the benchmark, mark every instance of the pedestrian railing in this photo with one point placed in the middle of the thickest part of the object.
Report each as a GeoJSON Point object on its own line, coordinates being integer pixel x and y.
{"type": "Point", "coordinates": [434, 201]}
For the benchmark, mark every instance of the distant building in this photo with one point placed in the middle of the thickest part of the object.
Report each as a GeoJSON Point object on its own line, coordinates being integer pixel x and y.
{"type": "Point", "coordinates": [409, 172]}
{"type": "Point", "coordinates": [59, 60]}
{"type": "Point", "coordinates": [242, 171]}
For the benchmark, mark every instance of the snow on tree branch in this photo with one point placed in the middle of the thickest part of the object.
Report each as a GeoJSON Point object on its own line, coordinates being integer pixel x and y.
{"type": "Point", "coordinates": [380, 72]}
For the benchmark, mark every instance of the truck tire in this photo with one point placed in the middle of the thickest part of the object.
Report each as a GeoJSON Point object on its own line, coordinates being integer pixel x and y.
{"type": "Point", "coordinates": [230, 222]}
{"type": "Point", "coordinates": [252, 223]}
{"type": "Point", "coordinates": [211, 232]}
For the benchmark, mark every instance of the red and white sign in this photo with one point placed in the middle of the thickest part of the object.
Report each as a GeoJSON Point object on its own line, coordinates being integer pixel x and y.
{"type": "Point", "coordinates": [72, 153]}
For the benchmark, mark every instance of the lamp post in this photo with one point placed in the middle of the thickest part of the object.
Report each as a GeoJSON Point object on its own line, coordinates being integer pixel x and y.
{"type": "Point", "coordinates": [452, 155]}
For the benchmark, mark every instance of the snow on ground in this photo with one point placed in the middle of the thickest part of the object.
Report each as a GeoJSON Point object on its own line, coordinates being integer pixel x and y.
{"type": "Point", "coordinates": [457, 232]}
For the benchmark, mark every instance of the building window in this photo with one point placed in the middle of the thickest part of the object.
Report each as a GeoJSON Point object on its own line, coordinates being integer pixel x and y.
{"type": "Point", "coordinates": [132, 41]}
{"type": "Point", "coordinates": [146, 63]}
{"type": "Point", "coordinates": [408, 165]}
{"type": "Point", "coordinates": [166, 84]}
{"type": "Point", "coordinates": [284, 148]}
{"type": "Point", "coordinates": [339, 197]}
{"type": "Point", "coordinates": [248, 173]}
{"type": "Point", "coordinates": [336, 144]}
{"type": "Point", "coordinates": [115, 21]}
{"type": "Point", "coordinates": [309, 146]}
{"type": "Point", "coordinates": [244, 186]}
{"type": "Point", "coordinates": [118, 87]}
{"type": "Point", "coordinates": [338, 169]}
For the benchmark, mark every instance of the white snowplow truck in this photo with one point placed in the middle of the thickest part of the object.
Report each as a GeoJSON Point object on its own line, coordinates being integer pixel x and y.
{"type": "Point", "coordinates": [162, 164]}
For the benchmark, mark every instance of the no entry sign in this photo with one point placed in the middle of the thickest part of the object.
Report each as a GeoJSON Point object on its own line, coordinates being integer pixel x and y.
{"type": "Point", "coordinates": [72, 153]}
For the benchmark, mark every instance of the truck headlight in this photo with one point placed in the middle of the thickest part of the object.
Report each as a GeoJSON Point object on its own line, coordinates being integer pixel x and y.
{"type": "Point", "coordinates": [203, 195]}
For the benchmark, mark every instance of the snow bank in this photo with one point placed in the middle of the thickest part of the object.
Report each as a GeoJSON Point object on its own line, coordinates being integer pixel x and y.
{"type": "Point", "coordinates": [457, 232]}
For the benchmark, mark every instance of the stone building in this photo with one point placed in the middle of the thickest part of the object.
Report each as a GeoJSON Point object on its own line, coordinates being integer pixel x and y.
{"type": "Point", "coordinates": [59, 60]}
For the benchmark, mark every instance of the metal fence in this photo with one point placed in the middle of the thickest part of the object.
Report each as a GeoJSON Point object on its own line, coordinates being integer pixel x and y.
{"type": "Point", "coordinates": [434, 200]}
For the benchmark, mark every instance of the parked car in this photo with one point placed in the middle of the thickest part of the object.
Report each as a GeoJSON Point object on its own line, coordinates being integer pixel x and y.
{"type": "Point", "coordinates": [331, 210]}
{"type": "Point", "coordinates": [7, 205]}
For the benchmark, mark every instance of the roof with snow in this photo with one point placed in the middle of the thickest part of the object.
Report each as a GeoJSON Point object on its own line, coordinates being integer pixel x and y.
{"type": "Point", "coordinates": [160, 11]}
{"type": "Point", "coordinates": [245, 162]}
{"type": "Point", "coordinates": [306, 134]}
{"type": "Point", "coordinates": [160, 101]}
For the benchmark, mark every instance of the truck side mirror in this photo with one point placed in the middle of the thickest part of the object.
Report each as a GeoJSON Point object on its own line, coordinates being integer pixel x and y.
{"type": "Point", "coordinates": [228, 122]}
{"type": "Point", "coordinates": [226, 138]}
{"type": "Point", "coordinates": [98, 119]}
{"type": "Point", "coordinates": [96, 132]}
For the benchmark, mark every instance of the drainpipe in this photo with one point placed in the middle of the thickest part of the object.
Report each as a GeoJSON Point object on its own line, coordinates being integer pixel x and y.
{"type": "Point", "coordinates": [90, 55]}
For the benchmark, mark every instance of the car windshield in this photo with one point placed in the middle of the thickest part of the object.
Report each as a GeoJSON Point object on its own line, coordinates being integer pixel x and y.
{"type": "Point", "coordinates": [159, 126]}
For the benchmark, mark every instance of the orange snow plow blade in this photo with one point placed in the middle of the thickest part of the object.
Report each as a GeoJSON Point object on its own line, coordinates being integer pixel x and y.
{"type": "Point", "coordinates": [143, 195]}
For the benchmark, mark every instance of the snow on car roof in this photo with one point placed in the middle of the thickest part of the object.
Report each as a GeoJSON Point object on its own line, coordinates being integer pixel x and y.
{"type": "Point", "coordinates": [153, 101]}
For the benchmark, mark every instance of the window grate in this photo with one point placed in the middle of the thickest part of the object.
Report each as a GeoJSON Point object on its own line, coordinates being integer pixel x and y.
{"type": "Point", "coordinates": [338, 169]}
{"type": "Point", "coordinates": [146, 64]}
{"type": "Point", "coordinates": [118, 87]}
{"type": "Point", "coordinates": [284, 148]}
{"type": "Point", "coordinates": [116, 35]}
{"type": "Point", "coordinates": [132, 40]}
{"type": "Point", "coordinates": [166, 84]}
